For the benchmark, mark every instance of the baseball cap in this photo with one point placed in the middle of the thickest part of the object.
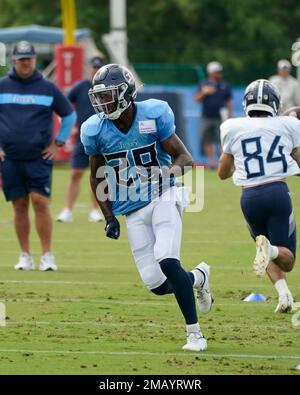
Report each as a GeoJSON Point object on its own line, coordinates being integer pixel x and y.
{"type": "Point", "coordinates": [284, 64]}
{"type": "Point", "coordinates": [214, 67]}
{"type": "Point", "coordinates": [23, 50]}
{"type": "Point", "coordinates": [96, 62]}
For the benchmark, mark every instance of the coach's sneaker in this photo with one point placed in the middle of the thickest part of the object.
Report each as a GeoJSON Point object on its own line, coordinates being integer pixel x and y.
{"type": "Point", "coordinates": [95, 216]}
{"type": "Point", "coordinates": [65, 216]}
{"type": "Point", "coordinates": [262, 258]}
{"type": "Point", "coordinates": [195, 342]}
{"type": "Point", "coordinates": [48, 262]}
{"type": "Point", "coordinates": [285, 303]}
{"type": "Point", "coordinates": [203, 295]}
{"type": "Point", "coordinates": [25, 262]}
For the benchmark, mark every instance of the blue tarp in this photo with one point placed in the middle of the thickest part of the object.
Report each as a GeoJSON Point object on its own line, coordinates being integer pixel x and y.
{"type": "Point", "coordinates": [38, 34]}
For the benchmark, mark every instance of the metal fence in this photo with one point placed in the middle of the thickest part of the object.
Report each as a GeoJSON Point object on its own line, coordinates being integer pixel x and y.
{"type": "Point", "coordinates": [169, 74]}
{"type": "Point", "coordinates": [188, 74]}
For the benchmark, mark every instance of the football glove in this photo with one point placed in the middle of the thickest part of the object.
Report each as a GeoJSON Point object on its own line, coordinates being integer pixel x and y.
{"type": "Point", "coordinates": [112, 227]}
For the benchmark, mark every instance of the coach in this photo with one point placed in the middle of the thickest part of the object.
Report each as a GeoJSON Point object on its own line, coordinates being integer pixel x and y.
{"type": "Point", "coordinates": [27, 103]}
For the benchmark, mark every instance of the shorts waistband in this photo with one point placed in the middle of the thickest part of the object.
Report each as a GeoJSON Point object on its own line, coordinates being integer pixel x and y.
{"type": "Point", "coordinates": [267, 187]}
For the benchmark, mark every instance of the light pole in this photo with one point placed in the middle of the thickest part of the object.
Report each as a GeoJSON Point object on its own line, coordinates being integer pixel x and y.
{"type": "Point", "coordinates": [69, 62]}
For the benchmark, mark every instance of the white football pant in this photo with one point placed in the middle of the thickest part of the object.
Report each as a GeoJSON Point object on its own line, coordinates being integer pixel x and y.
{"type": "Point", "coordinates": [154, 234]}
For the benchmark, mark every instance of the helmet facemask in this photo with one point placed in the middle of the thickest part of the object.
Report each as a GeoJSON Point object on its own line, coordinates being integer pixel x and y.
{"type": "Point", "coordinates": [109, 100]}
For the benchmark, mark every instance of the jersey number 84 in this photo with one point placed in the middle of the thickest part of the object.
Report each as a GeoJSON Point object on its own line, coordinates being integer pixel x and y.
{"type": "Point", "coordinates": [275, 154]}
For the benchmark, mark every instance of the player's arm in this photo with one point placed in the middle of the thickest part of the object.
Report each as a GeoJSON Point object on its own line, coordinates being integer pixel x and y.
{"type": "Point", "coordinates": [229, 108]}
{"type": "Point", "coordinates": [226, 166]}
{"type": "Point", "coordinates": [99, 187]}
{"type": "Point", "coordinates": [295, 112]}
{"type": "Point", "coordinates": [296, 155]}
{"type": "Point", "coordinates": [99, 184]}
{"type": "Point", "coordinates": [182, 159]}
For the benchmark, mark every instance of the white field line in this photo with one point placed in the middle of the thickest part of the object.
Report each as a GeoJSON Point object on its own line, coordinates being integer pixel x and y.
{"type": "Point", "coordinates": [148, 353]}
{"type": "Point", "coordinates": [45, 282]}
{"type": "Point", "coordinates": [96, 252]}
{"type": "Point", "coordinates": [93, 230]}
{"type": "Point", "coordinates": [85, 267]}
{"type": "Point", "coordinates": [133, 325]}
{"type": "Point", "coordinates": [57, 282]}
{"type": "Point", "coordinates": [124, 241]}
{"type": "Point", "coordinates": [116, 302]}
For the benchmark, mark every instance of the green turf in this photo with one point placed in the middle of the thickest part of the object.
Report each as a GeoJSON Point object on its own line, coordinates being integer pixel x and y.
{"type": "Point", "coordinates": [94, 316]}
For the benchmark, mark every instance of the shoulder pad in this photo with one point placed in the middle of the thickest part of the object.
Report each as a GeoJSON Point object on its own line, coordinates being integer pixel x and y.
{"type": "Point", "coordinates": [155, 108]}
{"type": "Point", "coordinates": [92, 125]}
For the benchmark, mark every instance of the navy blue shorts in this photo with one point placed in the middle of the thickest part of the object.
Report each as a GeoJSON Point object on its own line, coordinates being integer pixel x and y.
{"type": "Point", "coordinates": [268, 211]}
{"type": "Point", "coordinates": [19, 178]}
{"type": "Point", "coordinates": [79, 160]}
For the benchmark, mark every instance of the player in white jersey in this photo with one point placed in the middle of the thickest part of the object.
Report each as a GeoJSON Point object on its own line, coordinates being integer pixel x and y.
{"type": "Point", "coordinates": [129, 144]}
{"type": "Point", "coordinates": [259, 152]}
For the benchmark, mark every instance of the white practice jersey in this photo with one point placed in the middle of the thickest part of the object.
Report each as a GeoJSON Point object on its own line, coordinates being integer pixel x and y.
{"type": "Point", "coordinates": [261, 147]}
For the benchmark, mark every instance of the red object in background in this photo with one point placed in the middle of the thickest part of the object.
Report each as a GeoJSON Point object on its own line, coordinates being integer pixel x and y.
{"type": "Point", "coordinates": [69, 62]}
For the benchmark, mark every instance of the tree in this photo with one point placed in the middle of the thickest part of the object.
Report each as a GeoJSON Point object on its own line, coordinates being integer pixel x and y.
{"type": "Point", "coordinates": [247, 36]}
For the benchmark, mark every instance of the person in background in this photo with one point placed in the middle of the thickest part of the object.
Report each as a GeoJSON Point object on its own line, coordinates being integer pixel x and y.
{"type": "Point", "coordinates": [288, 86]}
{"type": "Point", "coordinates": [27, 149]}
{"type": "Point", "coordinates": [216, 98]}
{"type": "Point", "coordinates": [78, 95]}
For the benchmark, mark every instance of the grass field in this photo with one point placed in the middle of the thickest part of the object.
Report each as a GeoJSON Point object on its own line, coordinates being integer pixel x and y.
{"type": "Point", "coordinates": [94, 316]}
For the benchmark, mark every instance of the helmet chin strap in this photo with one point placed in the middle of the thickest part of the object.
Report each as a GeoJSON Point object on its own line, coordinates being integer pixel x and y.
{"type": "Point", "coordinates": [114, 115]}
{"type": "Point", "coordinates": [121, 106]}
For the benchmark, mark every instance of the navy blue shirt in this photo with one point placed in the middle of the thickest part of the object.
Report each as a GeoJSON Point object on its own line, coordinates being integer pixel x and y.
{"type": "Point", "coordinates": [213, 103]}
{"type": "Point", "coordinates": [78, 95]}
{"type": "Point", "coordinates": [26, 114]}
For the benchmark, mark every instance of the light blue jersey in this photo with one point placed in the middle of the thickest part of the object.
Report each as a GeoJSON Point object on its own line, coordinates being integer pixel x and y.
{"type": "Point", "coordinates": [127, 156]}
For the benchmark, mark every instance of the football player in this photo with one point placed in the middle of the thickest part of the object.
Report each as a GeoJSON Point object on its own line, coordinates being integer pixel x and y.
{"type": "Point", "coordinates": [134, 156]}
{"type": "Point", "coordinates": [260, 151]}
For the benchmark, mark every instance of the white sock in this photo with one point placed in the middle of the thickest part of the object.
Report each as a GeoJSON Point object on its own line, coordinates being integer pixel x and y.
{"type": "Point", "coordinates": [273, 252]}
{"type": "Point", "coordinates": [199, 278]}
{"type": "Point", "coordinates": [47, 253]}
{"type": "Point", "coordinates": [193, 328]}
{"type": "Point", "coordinates": [281, 287]}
